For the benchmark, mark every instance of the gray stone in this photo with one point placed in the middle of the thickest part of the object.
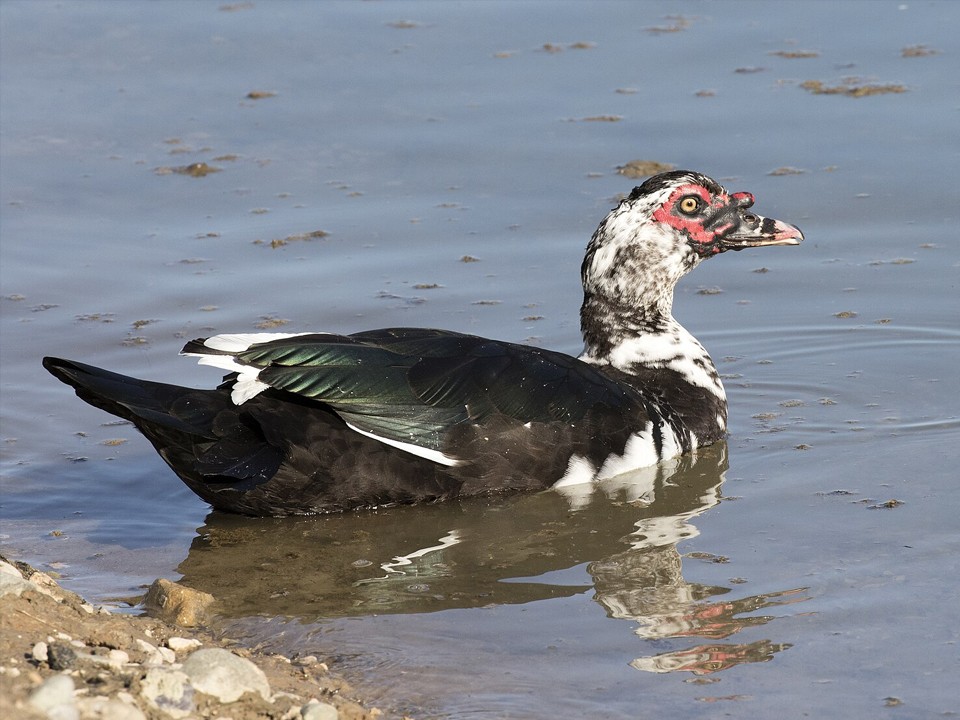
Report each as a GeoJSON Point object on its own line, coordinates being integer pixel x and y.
{"type": "Point", "coordinates": [168, 691]}
{"type": "Point", "coordinates": [55, 698]}
{"type": "Point", "coordinates": [12, 582]}
{"type": "Point", "coordinates": [225, 676]}
{"type": "Point", "coordinates": [61, 656]}
{"type": "Point", "coordinates": [315, 710]}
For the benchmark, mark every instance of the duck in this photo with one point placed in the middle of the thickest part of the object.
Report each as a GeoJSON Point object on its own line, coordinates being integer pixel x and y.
{"type": "Point", "coordinates": [317, 422]}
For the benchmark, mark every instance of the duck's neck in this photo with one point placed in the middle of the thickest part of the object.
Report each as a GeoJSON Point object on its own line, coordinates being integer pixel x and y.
{"type": "Point", "coordinates": [638, 341]}
{"type": "Point", "coordinates": [629, 272]}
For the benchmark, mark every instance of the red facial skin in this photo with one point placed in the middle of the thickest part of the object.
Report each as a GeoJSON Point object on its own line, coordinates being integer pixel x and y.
{"type": "Point", "coordinates": [722, 206]}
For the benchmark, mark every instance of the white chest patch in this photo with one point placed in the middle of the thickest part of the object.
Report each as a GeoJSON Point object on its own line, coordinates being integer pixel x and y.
{"type": "Point", "coordinates": [677, 350]}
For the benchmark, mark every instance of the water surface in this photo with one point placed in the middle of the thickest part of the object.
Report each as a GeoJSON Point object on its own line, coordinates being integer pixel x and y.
{"type": "Point", "coordinates": [806, 567]}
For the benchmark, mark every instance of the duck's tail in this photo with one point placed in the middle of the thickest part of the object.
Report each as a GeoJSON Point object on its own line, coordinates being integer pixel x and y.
{"type": "Point", "coordinates": [199, 433]}
{"type": "Point", "coordinates": [139, 401]}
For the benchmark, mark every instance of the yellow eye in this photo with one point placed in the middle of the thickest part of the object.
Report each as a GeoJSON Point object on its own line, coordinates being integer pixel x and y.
{"type": "Point", "coordinates": [689, 205]}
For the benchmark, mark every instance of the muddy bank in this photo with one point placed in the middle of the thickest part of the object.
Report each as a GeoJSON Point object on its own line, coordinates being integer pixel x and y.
{"type": "Point", "coordinates": [61, 657]}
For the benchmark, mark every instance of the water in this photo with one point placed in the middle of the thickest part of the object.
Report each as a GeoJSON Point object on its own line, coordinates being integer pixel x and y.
{"type": "Point", "coordinates": [807, 567]}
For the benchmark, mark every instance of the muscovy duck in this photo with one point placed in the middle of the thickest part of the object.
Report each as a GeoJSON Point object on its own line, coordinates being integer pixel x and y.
{"type": "Point", "coordinates": [316, 422]}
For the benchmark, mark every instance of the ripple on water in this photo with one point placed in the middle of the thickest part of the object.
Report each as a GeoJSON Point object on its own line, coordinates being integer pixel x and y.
{"type": "Point", "coordinates": [821, 381]}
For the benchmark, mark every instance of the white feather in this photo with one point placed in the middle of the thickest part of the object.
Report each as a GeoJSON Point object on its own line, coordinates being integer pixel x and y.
{"type": "Point", "coordinates": [670, 444]}
{"type": "Point", "coordinates": [640, 451]}
{"type": "Point", "coordinates": [238, 342]}
{"type": "Point", "coordinates": [579, 471]}
{"type": "Point", "coordinates": [224, 362]}
{"type": "Point", "coordinates": [576, 485]}
{"type": "Point", "coordinates": [248, 384]}
{"type": "Point", "coordinates": [426, 453]}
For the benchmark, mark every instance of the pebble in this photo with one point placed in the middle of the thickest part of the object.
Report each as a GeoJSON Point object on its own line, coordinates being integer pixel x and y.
{"type": "Point", "coordinates": [155, 656]}
{"type": "Point", "coordinates": [225, 676]}
{"type": "Point", "coordinates": [118, 658]}
{"type": "Point", "coordinates": [179, 644]}
{"type": "Point", "coordinates": [103, 708]}
{"type": "Point", "coordinates": [316, 710]}
{"type": "Point", "coordinates": [168, 691]}
{"type": "Point", "coordinates": [156, 686]}
{"type": "Point", "coordinates": [145, 647]}
{"type": "Point", "coordinates": [40, 652]}
{"type": "Point", "coordinates": [55, 699]}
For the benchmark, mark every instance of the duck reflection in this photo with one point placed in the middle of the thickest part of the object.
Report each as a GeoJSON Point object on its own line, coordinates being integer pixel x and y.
{"type": "Point", "coordinates": [618, 539]}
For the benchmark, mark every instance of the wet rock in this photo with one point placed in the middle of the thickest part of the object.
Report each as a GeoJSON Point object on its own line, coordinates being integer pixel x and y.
{"type": "Point", "coordinates": [168, 690]}
{"type": "Point", "coordinates": [316, 710]}
{"type": "Point", "coordinates": [61, 656]}
{"type": "Point", "coordinates": [177, 604]}
{"type": "Point", "coordinates": [55, 698]}
{"type": "Point", "coordinates": [225, 676]}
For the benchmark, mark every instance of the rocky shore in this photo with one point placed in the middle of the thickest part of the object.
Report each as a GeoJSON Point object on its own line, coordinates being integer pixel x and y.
{"type": "Point", "coordinates": [63, 659]}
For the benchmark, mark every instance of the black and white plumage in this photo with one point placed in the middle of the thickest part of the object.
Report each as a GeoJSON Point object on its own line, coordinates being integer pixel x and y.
{"type": "Point", "coordinates": [317, 422]}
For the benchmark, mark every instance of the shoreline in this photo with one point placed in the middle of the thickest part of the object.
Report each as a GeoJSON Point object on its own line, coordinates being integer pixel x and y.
{"type": "Point", "coordinates": [62, 658]}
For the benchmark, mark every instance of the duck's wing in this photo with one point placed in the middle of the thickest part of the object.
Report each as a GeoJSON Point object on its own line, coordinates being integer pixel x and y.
{"type": "Point", "coordinates": [409, 387]}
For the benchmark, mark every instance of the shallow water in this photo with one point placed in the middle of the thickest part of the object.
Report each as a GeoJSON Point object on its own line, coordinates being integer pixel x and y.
{"type": "Point", "coordinates": [807, 567]}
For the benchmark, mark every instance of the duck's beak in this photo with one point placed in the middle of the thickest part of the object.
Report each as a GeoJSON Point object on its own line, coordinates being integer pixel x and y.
{"type": "Point", "coordinates": [758, 231]}
{"type": "Point", "coordinates": [752, 230]}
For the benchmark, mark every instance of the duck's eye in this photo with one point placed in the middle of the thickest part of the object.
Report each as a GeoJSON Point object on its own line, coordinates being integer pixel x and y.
{"type": "Point", "coordinates": [689, 205]}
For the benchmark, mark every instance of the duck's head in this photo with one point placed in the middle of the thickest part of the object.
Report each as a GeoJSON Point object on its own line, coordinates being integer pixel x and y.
{"type": "Point", "coordinates": [664, 229]}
